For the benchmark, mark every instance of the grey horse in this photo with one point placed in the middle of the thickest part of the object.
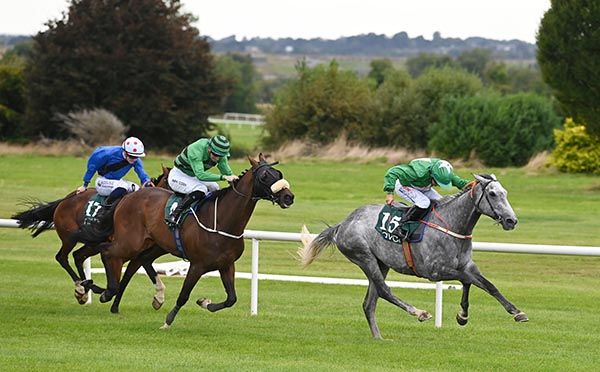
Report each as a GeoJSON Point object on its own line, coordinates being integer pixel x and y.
{"type": "Point", "coordinates": [445, 252]}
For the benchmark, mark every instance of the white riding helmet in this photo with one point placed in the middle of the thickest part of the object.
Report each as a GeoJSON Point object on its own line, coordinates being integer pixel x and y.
{"type": "Point", "coordinates": [133, 147]}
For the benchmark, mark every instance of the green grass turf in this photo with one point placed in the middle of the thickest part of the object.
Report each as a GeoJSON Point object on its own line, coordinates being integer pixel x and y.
{"type": "Point", "coordinates": [310, 326]}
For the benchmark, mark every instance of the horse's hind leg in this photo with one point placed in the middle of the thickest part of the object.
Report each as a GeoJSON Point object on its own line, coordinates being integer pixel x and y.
{"type": "Point", "coordinates": [481, 282]}
{"type": "Point", "coordinates": [463, 316]}
{"type": "Point", "coordinates": [228, 280]}
{"type": "Point", "coordinates": [62, 257]}
{"type": "Point", "coordinates": [370, 303]}
{"type": "Point", "coordinates": [80, 256]}
{"type": "Point", "coordinates": [370, 267]}
{"type": "Point", "coordinates": [144, 259]}
{"type": "Point", "coordinates": [192, 277]}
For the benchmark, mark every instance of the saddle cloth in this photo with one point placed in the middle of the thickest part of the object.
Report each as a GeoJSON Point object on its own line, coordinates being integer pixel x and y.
{"type": "Point", "coordinates": [92, 208]}
{"type": "Point", "coordinates": [174, 201]}
{"type": "Point", "coordinates": [391, 227]}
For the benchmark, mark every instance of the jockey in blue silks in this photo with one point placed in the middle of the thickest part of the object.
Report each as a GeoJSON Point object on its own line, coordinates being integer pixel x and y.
{"type": "Point", "coordinates": [112, 163]}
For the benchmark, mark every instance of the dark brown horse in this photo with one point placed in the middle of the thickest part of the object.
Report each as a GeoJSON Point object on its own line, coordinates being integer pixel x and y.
{"type": "Point", "coordinates": [212, 238]}
{"type": "Point", "coordinates": [66, 215]}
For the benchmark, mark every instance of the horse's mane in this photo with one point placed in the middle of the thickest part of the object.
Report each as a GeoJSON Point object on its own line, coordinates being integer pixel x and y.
{"type": "Point", "coordinates": [450, 198]}
{"type": "Point", "coordinates": [221, 192]}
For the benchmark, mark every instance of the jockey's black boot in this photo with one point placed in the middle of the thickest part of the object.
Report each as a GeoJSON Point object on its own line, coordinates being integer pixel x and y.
{"type": "Point", "coordinates": [184, 205]}
{"type": "Point", "coordinates": [414, 214]}
{"type": "Point", "coordinates": [114, 196]}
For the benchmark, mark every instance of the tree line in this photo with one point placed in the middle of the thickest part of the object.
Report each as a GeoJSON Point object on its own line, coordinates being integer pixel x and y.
{"type": "Point", "coordinates": [144, 62]}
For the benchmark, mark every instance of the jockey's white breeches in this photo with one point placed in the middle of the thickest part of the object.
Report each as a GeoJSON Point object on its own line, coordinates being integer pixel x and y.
{"type": "Point", "coordinates": [419, 196]}
{"type": "Point", "coordinates": [184, 184]}
{"type": "Point", "coordinates": [104, 186]}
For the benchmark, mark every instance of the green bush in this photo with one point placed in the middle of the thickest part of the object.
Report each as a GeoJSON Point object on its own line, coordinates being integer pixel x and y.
{"type": "Point", "coordinates": [12, 101]}
{"type": "Point", "coordinates": [576, 151]}
{"type": "Point", "coordinates": [322, 103]}
{"type": "Point", "coordinates": [501, 130]}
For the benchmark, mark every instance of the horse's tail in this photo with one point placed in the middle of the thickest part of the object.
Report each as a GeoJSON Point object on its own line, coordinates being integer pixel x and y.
{"type": "Point", "coordinates": [96, 233]}
{"type": "Point", "coordinates": [39, 217]}
{"type": "Point", "coordinates": [311, 248]}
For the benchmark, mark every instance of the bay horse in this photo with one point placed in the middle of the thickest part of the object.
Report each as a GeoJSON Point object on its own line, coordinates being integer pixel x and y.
{"type": "Point", "coordinates": [66, 214]}
{"type": "Point", "coordinates": [445, 253]}
{"type": "Point", "coordinates": [212, 238]}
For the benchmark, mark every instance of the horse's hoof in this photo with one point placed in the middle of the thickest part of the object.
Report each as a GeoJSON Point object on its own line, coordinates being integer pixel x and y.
{"type": "Point", "coordinates": [82, 300]}
{"type": "Point", "coordinates": [81, 295]}
{"type": "Point", "coordinates": [204, 302]}
{"type": "Point", "coordinates": [521, 317]}
{"type": "Point", "coordinates": [114, 309]}
{"type": "Point", "coordinates": [165, 326]}
{"type": "Point", "coordinates": [424, 316]}
{"type": "Point", "coordinates": [462, 320]}
{"type": "Point", "coordinates": [105, 297]}
{"type": "Point", "coordinates": [156, 304]}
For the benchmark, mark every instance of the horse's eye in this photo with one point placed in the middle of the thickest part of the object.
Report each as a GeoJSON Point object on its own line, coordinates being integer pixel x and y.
{"type": "Point", "coordinates": [492, 194]}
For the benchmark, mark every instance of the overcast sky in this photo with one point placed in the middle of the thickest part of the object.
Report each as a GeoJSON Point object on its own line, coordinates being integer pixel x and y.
{"type": "Point", "coordinates": [328, 19]}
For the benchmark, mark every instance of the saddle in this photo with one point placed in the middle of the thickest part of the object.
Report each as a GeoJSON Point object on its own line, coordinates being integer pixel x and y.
{"type": "Point", "coordinates": [391, 227]}
{"type": "Point", "coordinates": [175, 199]}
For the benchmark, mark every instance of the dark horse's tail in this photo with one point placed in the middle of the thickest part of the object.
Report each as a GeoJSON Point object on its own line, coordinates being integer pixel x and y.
{"type": "Point", "coordinates": [39, 217]}
{"type": "Point", "coordinates": [96, 233]}
{"type": "Point", "coordinates": [311, 248]}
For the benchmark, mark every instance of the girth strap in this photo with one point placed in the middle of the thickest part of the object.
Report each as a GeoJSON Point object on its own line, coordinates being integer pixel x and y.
{"type": "Point", "coordinates": [406, 249]}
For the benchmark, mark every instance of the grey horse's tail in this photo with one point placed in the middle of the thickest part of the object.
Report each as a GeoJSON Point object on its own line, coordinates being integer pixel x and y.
{"type": "Point", "coordinates": [311, 248]}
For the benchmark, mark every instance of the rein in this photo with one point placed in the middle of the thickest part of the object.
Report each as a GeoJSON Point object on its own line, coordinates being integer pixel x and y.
{"type": "Point", "coordinates": [447, 231]}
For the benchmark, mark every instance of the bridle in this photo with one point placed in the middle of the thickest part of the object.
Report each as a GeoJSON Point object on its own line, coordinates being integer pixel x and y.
{"type": "Point", "coordinates": [483, 193]}
{"type": "Point", "coordinates": [260, 189]}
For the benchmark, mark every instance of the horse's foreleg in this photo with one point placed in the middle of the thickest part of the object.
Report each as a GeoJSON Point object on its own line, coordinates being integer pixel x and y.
{"type": "Point", "coordinates": [370, 304]}
{"type": "Point", "coordinates": [193, 275]}
{"type": "Point", "coordinates": [228, 280]}
{"type": "Point", "coordinates": [481, 282]}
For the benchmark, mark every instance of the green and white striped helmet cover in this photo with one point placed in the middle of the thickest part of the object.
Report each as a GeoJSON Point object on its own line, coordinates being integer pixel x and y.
{"type": "Point", "coordinates": [219, 145]}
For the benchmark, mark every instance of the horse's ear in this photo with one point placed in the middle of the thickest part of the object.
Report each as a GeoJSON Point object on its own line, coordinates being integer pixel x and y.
{"type": "Point", "coordinates": [261, 158]}
{"type": "Point", "coordinates": [252, 161]}
{"type": "Point", "coordinates": [480, 178]}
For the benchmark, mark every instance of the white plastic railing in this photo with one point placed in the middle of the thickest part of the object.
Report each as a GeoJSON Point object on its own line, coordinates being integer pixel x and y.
{"type": "Point", "coordinates": [257, 236]}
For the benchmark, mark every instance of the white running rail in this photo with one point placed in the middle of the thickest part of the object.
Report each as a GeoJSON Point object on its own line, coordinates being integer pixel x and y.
{"type": "Point", "coordinates": [257, 236]}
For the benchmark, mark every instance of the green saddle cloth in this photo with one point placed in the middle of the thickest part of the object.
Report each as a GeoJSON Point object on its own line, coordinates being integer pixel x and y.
{"type": "Point", "coordinates": [172, 203]}
{"type": "Point", "coordinates": [92, 208]}
{"type": "Point", "coordinates": [391, 228]}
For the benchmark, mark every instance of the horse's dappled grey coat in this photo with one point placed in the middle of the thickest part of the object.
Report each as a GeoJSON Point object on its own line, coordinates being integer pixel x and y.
{"type": "Point", "coordinates": [438, 256]}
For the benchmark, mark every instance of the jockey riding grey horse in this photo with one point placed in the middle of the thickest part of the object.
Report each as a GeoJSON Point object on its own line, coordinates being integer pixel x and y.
{"type": "Point", "coordinates": [445, 253]}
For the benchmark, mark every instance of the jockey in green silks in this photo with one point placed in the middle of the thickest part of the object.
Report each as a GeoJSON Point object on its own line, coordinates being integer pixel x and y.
{"type": "Point", "coordinates": [191, 177]}
{"type": "Point", "coordinates": [414, 181]}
